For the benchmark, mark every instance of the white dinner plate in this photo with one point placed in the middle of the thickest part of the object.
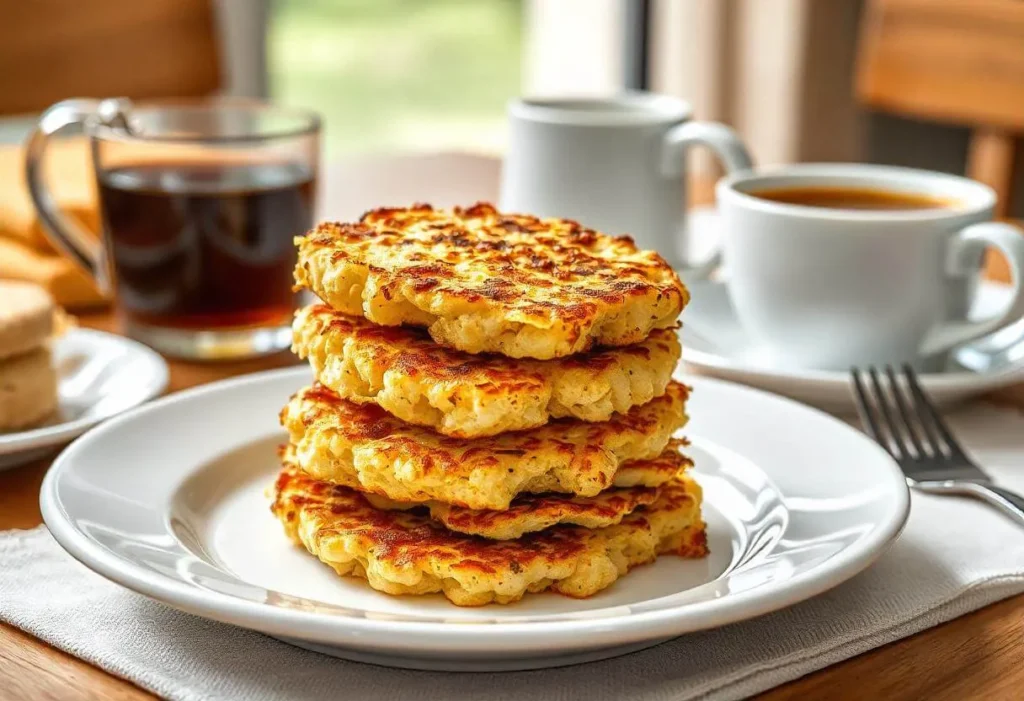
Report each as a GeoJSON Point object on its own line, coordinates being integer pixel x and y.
{"type": "Point", "coordinates": [170, 500]}
{"type": "Point", "coordinates": [99, 375]}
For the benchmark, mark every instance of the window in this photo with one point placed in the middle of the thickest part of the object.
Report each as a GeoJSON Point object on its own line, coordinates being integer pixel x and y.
{"type": "Point", "coordinates": [399, 75]}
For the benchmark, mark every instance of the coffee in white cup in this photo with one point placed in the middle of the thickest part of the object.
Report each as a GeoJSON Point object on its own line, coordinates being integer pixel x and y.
{"type": "Point", "coordinates": [836, 265]}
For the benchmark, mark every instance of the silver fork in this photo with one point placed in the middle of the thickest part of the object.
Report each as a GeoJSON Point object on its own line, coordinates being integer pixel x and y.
{"type": "Point", "coordinates": [901, 419]}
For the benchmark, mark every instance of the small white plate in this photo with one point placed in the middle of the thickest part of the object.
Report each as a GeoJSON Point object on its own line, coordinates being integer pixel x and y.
{"type": "Point", "coordinates": [99, 375]}
{"type": "Point", "coordinates": [170, 501]}
{"type": "Point", "coordinates": [715, 344]}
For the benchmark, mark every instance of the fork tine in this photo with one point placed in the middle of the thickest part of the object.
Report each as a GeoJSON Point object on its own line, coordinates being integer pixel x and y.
{"type": "Point", "coordinates": [905, 414]}
{"type": "Point", "coordinates": [867, 415]}
{"type": "Point", "coordinates": [927, 414]}
{"type": "Point", "coordinates": [927, 426]}
{"type": "Point", "coordinates": [899, 445]}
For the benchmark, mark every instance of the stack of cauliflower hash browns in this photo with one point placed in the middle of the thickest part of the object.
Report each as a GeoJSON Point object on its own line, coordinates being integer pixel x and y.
{"type": "Point", "coordinates": [493, 410]}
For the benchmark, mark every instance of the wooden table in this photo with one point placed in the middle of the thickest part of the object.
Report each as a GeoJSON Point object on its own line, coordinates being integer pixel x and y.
{"type": "Point", "coordinates": [978, 655]}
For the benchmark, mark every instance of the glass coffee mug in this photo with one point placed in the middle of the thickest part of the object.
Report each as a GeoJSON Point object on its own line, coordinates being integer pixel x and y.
{"type": "Point", "coordinates": [200, 201]}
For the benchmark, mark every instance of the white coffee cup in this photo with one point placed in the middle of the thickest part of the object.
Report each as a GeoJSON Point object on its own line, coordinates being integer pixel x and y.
{"type": "Point", "coordinates": [831, 288]}
{"type": "Point", "coordinates": [614, 164]}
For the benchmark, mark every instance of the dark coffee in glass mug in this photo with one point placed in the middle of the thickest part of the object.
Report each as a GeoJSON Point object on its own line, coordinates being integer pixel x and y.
{"type": "Point", "coordinates": [200, 202]}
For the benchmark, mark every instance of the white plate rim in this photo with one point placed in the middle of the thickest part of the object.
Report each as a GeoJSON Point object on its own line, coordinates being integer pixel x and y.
{"type": "Point", "coordinates": [414, 635]}
{"type": "Point", "coordinates": [55, 434]}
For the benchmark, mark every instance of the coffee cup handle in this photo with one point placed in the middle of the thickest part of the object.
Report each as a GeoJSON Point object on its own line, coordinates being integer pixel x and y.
{"type": "Point", "coordinates": [726, 145]}
{"type": "Point", "coordinates": [964, 251]}
{"type": "Point", "coordinates": [66, 234]}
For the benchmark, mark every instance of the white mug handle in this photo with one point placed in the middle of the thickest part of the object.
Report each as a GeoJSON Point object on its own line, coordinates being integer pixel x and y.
{"type": "Point", "coordinates": [964, 249]}
{"type": "Point", "coordinates": [724, 142]}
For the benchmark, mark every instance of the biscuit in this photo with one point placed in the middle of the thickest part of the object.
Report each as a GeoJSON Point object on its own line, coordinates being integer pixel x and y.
{"type": "Point", "coordinates": [26, 317]}
{"type": "Point", "coordinates": [28, 389]}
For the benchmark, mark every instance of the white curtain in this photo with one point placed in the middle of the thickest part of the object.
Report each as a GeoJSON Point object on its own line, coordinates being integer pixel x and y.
{"type": "Point", "coordinates": [780, 71]}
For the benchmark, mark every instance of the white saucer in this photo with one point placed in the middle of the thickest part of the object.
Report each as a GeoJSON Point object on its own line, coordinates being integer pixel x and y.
{"type": "Point", "coordinates": [715, 344]}
{"type": "Point", "coordinates": [100, 375]}
{"type": "Point", "coordinates": [170, 500]}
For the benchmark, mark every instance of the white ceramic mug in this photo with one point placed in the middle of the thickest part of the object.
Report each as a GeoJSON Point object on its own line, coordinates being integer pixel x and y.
{"type": "Point", "coordinates": [830, 288]}
{"type": "Point", "coordinates": [614, 164]}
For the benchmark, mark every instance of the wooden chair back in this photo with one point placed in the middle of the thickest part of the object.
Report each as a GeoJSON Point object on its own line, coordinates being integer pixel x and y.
{"type": "Point", "coordinates": [954, 61]}
{"type": "Point", "coordinates": [54, 49]}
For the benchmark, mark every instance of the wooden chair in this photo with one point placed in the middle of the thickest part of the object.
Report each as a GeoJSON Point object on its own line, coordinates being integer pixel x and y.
{"type": "Point", "coordinates": [955, 61]}
{"type": "Point", "coordinates": [54, 49]}
{"type": "Point", "coordinates": [51, 50]}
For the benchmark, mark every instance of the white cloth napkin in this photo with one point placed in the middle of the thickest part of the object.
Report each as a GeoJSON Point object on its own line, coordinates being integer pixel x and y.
{"type": "Point", "coordinates": [955, 556]}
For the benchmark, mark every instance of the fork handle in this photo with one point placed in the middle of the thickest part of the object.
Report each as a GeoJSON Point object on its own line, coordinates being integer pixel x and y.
{"type": "Point", "coordinates": [1010, 503]}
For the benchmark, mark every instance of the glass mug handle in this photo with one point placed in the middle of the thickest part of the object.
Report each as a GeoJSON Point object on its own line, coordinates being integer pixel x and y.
{"type": "Point", "coordinates": [64, 232]}
{"type": "Point", "coordinates": [726, 145]}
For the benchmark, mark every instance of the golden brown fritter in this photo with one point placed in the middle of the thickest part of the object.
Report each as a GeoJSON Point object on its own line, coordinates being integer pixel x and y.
{"type": "Point", "coordinates": [458, 394]}
{"type": "Point", "coordinates": [404, 552]}
{"type": "Point", "coordinates": [362, 445]}
{"type": "Point", "coordinates": [483, 281]}
{"type": "Point", "coordinates": [529, 513]}
{"type": "Point", "coordinates": [535, 512]}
